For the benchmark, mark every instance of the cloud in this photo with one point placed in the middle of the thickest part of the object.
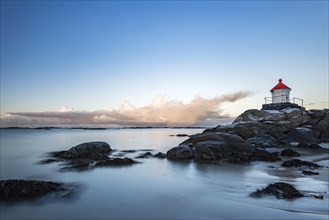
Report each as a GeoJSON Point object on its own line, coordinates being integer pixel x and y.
{"type": "Point", "coordinates": [161, 112]}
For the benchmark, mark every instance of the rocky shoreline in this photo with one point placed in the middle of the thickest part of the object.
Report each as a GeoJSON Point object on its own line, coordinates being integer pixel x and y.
{"type": "Point", "coordinates": [256, 135]}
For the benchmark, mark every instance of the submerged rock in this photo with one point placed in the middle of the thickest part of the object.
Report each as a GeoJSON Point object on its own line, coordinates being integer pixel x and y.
{"type": "Point", "coordinates": [160, 155]}
{"type": "Point", "coordinates": [145, 155]}
{"type": "Point", "coordinates": [309, 172]}
{"type": "Point", "coordinates": [299, 163]}
{"type": "Point", "coordinates": [280, 190]}
{"type": "Point", "coordinates": [19, 190]}
{"type": "Point", "coordinates": [115, 162]}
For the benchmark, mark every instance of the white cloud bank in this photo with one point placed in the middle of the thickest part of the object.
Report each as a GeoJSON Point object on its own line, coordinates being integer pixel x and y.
{"type": "Point", "coordinates": [161, 112]}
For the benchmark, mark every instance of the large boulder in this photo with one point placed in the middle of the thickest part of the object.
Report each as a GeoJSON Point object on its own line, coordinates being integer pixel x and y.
{"type": "Point", "coordinates": [183, 151]}
{"type": "Point", "coordinates": [296, 116]}
{"type": "Point", "coordinates": [96, 150]}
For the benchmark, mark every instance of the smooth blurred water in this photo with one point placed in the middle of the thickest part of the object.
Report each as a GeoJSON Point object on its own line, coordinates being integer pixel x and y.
{"type": "Point", "coordinates": [153, 189]}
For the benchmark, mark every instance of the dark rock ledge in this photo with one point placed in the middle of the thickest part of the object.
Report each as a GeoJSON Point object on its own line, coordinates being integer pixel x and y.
{"type": "Point", "coordinates": [21, 190]}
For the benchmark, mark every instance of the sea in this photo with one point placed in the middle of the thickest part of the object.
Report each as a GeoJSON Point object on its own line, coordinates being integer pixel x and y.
{"type": "Point", "coordinates": [154, 188]}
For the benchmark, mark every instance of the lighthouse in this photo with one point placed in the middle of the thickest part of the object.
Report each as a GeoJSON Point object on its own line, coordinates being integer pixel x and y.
{"type": "Point", "coordinates": [281, 98]}
{"type": "Point", "coordinates": [280, 93]}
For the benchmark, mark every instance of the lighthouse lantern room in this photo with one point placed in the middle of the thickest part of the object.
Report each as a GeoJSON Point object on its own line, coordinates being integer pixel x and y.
{"type": "Point", "coordinates": [280, 93]}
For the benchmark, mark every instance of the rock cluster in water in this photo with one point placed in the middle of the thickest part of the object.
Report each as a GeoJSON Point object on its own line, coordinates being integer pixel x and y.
{"type": "Point", "coordinates": [88, 155]}
{"type": "Point", "coordinates": [253, 132]}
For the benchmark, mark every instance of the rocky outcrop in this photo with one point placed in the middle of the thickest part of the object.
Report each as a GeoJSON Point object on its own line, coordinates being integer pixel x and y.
{"type": "Point", "coordinates": [280, 190]}
{"type": "Point", "coordinates": [218, 146]}
{"type": "Point", "coordinates": [254, 130]}
{"type": "Point", "coordinates": [20, 190]}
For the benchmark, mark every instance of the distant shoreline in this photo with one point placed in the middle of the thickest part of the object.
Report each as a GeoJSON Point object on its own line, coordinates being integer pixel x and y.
{"type": "Point", "coordinates": [90, 128]}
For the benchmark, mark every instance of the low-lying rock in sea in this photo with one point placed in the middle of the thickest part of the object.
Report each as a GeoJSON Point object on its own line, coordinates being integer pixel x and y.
{"type": "Point", "coordinates": [299, 163]}
{"type": "Point", "coordinates": [145, 155]}
{"type": "Point", "coordinates": [20, 190]}
{"type": "Point", "coordinates": [115, 162]}
{"type": "Point", "coordinates": [309, 172]}
{"type": "Point", "coordinates": [218, 146]}
{"type": "Point", "coordinates": [280, 190]}
{"type": "Point", "coordinates": [289, 153]}
{"type": "Point", "coordinates": [160, 155]}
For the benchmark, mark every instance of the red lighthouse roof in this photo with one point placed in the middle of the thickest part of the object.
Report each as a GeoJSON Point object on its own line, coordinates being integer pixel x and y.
{"type": "Point", "coordinates": [280, 85]}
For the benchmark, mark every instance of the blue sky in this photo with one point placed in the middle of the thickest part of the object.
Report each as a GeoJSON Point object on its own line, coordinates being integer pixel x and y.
{"type": "Point", "coordinates": [95, 55]}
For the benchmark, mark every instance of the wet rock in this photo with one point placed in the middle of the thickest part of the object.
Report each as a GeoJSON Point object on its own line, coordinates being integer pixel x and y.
{"type": "Point", "coordinates": [289, 153]}
{"type": "Point", "coordinates": [309, 172]}
{"type": "Point", "coordinates": [96, 150]}
{"type": "Point", "coordinates": [160, 155]}
{"type": "Point", "coordinates": [145, 155]}
{"type": "Point", "coordinates": [262, 155]}
{"type": "Point", "coordinates": [308, 146]}
{"type": "Point", "coordinates": [318, 196]}
{"type": "Point", "coordinates": [115, 162]}
{"type": "Point", "coordinates": [280, 190]}
{"type": "Point", "coordinates": [129, 151]}
{"type": "Point", "coordinates": [299, 163]}
{"type": "Point", "coordinates": [201, 152]}
{"type": "Point", "coordinates": [183, 151]}
{"type": "Point", "coordinates": [182, 135]}
{"type": "Point", "coordinates": [20, 190]}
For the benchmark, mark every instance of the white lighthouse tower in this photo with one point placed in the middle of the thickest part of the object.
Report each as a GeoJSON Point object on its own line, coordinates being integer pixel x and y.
{"type": "Point", "coordinates": [280, 93]}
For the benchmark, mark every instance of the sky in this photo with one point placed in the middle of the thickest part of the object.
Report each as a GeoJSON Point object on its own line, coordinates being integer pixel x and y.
{"type": "Point", "coordinates": [163, 63]}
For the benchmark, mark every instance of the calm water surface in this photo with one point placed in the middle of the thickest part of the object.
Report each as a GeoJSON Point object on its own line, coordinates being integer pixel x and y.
{"type": "Point", "coordinates": [153, 189]}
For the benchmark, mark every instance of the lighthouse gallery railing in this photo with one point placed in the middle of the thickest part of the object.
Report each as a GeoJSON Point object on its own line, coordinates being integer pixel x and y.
{"type": "Point", "coordinates": [293, 100]}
